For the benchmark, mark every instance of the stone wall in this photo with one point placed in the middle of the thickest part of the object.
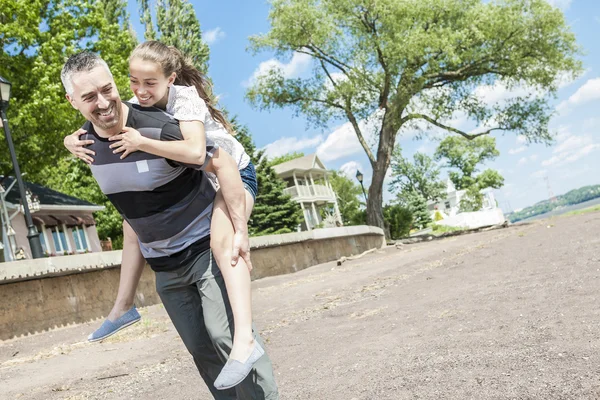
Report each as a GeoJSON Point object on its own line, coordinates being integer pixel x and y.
{"type": "Point", "coordinates": [37, 295]}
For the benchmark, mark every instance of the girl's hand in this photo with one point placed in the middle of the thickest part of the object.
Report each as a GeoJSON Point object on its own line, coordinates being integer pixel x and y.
{"type": "Point", "coordinates": [127, 142]}
{"type": "Point", "coordinates": [77, 146]}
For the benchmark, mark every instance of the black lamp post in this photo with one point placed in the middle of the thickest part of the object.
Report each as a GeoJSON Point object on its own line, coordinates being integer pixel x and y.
{"type": "Point", "coordinates": [359, 177]}
{"type": "Point", "coordinates": [32, 234]}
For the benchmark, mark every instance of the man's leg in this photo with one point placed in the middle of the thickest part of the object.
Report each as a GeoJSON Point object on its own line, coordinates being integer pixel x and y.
{"type": "Point", "coordinates": [183, 303]}
{"type": "Point", "coordinates": [218, 318]}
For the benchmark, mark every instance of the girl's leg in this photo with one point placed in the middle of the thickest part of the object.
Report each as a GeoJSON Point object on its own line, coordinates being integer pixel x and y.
{"type": "Point", "coordinates": [237, 278]}
{"type": "Point", "coordinates": [128, 282]}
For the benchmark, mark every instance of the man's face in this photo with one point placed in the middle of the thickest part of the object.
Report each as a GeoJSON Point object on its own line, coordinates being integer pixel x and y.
{"type": "Point", "coordinates": [95, 95]}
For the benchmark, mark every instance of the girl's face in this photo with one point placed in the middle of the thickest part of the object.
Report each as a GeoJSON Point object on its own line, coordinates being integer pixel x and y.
{"type": "Point", "coordinates": [148, 83]}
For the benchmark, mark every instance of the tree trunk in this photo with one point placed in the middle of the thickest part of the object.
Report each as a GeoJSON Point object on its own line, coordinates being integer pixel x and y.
{"type": "Point", "coordinates": [375, 199]}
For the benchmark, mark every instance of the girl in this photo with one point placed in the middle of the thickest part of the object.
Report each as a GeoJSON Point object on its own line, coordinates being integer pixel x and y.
{"type": "Point", "coordinates": [162, 77]}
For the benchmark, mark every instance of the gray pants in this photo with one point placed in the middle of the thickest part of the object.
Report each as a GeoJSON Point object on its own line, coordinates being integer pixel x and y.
{"type": "Point", "coordinates": [196, 300]}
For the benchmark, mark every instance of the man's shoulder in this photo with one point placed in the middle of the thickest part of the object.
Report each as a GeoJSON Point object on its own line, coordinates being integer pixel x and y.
{"type": "Point", "coordinates": [149, 116]}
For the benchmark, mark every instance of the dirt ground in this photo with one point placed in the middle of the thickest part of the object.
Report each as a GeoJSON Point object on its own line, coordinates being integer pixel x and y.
{"type": "Point", "coordinates": [504, 314]}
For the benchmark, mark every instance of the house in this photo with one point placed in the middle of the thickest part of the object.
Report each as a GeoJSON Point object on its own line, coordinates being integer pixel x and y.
{"type": "Point", "coordinates": [450, 205]}
{"type": "Point", "coordinates": [66, 224]}
{"type": "Point", "coordinates": [308, 184]}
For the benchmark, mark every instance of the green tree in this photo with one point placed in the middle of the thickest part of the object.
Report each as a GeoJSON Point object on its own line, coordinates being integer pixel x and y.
{"type": "Point", "coordinates": [417, 205]}
{"type": "Point", "coordinates": [176, 25]}
{"type": "Point", "coordinates": [404, 61]}
{"type": "Point", "coordinates": [274, 211]}
{"type": "Point", "coordinates": [398, 220]}
{"type": "Point", "coordinates": [286, 157]}
{"type": "Point", "coordinates": [348, 196]}
{"type": "Point", "coordinates": [464, 157]}
{"type": "Point", "coordinates": [422, 176]}
{"type": "Point", "coordinates": [35, 39]}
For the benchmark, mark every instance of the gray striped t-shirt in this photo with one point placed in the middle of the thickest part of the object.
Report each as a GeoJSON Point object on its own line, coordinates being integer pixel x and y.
{"type": "Point", "coordinates": [168, 204]}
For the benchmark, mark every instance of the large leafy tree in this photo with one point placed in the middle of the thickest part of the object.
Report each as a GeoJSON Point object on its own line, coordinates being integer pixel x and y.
{"type": "Point", "coordinates": [176, 25]}
{"type": "Point", "coordinates": [464, 157]}
{"type": "Point", "coordinates": [422, 175]}
{"type": "Point", "coordinates": [409, 61]}
{"type": "Point", "coordinates": [35, 39]}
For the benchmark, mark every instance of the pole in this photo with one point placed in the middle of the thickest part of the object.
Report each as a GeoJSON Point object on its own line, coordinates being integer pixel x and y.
{"type": "Point", "coordinates": [364, 193]}
{"type": "Point", "coordinates": [32, 234]}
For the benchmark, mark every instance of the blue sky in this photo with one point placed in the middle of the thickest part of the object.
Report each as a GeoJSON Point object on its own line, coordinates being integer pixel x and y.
{"type": "Point", "coordinates": [569, 163]}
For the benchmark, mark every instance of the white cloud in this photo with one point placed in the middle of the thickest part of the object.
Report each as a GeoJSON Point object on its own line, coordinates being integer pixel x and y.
{"type": "Point", "coordinates": [539, 174]}
{"type": "Point", "coordinates": [588, 92]}
{"type": "Point", "coordinates": [562, 4]}
{"type": "Point", "coordinates": [343, 142]}
{"type": "Point", "coordinates": [571, 148]}
{"type": "Point", "coordinates": [213, 36]}
{"type": "Point", "coordinates": [517, 150]}
{"type": "Point", "coordinates": [349, 169]}
{"type": "Point", "coordinates": [287, 145]}
{"type": "Point", "coordinates": [521, 139]}
{"type": "Point", "coordinates": [525, 160]}
{"type": "Point", "coordinates": [297, 65]}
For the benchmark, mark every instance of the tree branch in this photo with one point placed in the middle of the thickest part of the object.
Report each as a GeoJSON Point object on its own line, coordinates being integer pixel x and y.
{"type": "Point", "coordinates": [448, 128]}
{"type": "Point", "coordinates": [358, 132]}
{"type": "Point", "coordinates": [328, 74]}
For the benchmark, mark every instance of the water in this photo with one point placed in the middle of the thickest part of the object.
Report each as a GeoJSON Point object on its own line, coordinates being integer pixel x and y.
{"type": "Point", "coordinates": [564, 210]}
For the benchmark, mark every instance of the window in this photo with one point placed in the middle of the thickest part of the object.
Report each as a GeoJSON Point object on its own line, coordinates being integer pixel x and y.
{"type": "Point", "coordinates": [447, 204]}
{"type": "Point", "coordinates": [60, 240]}
{"type": "Point", "coordinates": [79, 238]}
{"type": "Point", "coordinates": [43, 239]}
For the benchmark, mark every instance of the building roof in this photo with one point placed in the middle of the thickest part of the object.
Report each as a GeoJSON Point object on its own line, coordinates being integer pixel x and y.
{"type": "Point", "coordinates": [303, 164]}
{"type": "Point", "coordinates": [47, 196]}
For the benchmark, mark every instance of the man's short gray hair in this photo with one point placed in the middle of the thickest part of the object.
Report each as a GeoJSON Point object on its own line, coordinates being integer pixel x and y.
{"type": "Point", "coordinates": [80, 62]}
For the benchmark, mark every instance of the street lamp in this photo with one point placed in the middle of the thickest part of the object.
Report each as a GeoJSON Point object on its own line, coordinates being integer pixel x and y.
{"type": "Point", "coordinates": [359, 177]}
{"type": "Point", "coordinates": [32, 234]}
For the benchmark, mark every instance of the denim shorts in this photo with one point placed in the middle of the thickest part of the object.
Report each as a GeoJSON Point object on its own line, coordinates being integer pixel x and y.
{"type": "Point", "coordinates": [248, 175]}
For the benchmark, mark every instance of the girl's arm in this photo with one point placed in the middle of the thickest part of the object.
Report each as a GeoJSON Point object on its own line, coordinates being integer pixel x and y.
{"type": "Point", "coordinates": [190, 150]}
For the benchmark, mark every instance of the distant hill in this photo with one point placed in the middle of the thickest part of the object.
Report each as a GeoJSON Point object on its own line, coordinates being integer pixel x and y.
{"type": "Point", "coordinates": [575, 196]}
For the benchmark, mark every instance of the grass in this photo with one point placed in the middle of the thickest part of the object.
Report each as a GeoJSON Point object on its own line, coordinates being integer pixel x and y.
{"type": "Point", "coordinates": [583, 211]}
{"type": "Point", "coordinates": [444, 228]}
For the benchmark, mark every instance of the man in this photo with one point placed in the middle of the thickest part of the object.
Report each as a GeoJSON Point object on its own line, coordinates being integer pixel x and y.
{"type": "Point", "coordinates": [167, 209]}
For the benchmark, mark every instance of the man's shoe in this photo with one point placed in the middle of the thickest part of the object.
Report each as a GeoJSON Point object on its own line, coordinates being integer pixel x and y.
{"type": "Point", "coordinates": [234, 372]}
{"type": "Point", "coordinates": [109, 328]}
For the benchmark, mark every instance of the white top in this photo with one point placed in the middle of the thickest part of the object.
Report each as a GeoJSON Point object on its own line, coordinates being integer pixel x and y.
{"type": "Point", "coordinates": [184, 104]}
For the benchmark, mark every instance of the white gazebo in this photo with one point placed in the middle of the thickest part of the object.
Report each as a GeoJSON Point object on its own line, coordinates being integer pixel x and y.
{"type": "Point", "coordinates": [308, 184]}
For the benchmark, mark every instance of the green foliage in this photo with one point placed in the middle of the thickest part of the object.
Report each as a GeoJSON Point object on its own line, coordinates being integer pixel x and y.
{"type": "Point", "coordinates": [74, 177]}
{"type": "Point", "coordinates": [398, 220]}
{"type": "Point", "coordinates": [422, 176]}
{"type": "Point", "coordinates": [464, 156]}
{"type": "Point", "coordinates": [417, 205]}
{"type": "Point", "coordinates": [274, 212]}
{"type": "Point", "coordinates": [444, 228]}
{"type": "Point", "coordinates": [286, 157]}
{"type": "Point", "coordinates": [348, 196]}
{"type": "Point", "coordinates": [176, 25]}
{"type": "Point", "coordinates": [572, 197]}
{"type": "Point", "coordinates": [36, 37]}
{"type": "Point", "coordinates": [412, 60]}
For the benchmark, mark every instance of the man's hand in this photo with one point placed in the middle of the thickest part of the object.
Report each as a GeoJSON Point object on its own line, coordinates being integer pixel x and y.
{"type": "Point", "coordinates": [241, 247]}
{"type": "Point", "coordinates": [77, 146]}
{"type": "Point", "coordinates": [127, 142]}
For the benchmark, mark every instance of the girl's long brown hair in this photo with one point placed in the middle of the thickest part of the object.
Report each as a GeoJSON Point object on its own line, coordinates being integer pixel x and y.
{"type": "Point", "coordinates": [172, 60]}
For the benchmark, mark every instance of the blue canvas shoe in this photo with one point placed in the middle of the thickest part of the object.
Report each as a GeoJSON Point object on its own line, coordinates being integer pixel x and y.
{"type": "Point", "coordinates": [109, 328]}
{"type": "Point", "coordinates": [234, 372]}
